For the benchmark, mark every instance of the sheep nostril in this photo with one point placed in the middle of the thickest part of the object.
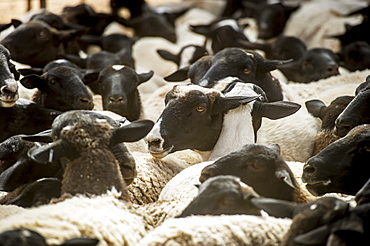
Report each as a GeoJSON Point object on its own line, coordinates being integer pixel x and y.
{"type": "Point", "coordinates": [154, 143]}
{"type": "Point", "coordinates": [116, 99]}
{"type": "Point", "coordinates": [309, 169]}
{"type": "Point", "coordinates": [85, 100]}
{"type": "Point", "coordinates": [332, 70]}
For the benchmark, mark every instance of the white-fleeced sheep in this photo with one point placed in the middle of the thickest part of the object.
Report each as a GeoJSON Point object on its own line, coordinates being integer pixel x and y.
{"type": "Point", "coordinates": [220, 230]}
{"type": "Point", "coordinates": [104, 217]}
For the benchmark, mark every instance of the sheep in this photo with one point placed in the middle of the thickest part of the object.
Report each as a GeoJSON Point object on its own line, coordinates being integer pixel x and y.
{"type": "Point", "coordinates": [328, 115]}
{"type": "Point", "coordinates": [43, 45]}
{"type": "Point", "coordinates": [25, 117]}
{"type": "Point", "coordinates": [261, 167]}
{"type": "Point", "coordinates": [341, 166]}
{"type": "Point", "coordinates": [92, 140]}
{"type": "Point", "coordinates": [219, 230]}
{"type": "Point", "coordinates": [105, 217]}
{"type": "Point", "coordinates": [223, 194]}
{"type": "Point", "coordinates": [118, 86]}
{"type": "Point", "coordinates": [220, 34]}
{"type": "Point", "coordinates": [206, 109]}
{"type": "Point", "coordinates": [61, 88]}
{"type": "Point", "coordinates": [8, 77]}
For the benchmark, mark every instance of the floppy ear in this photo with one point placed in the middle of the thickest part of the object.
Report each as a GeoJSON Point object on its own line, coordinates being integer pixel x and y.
{"type": "Point", "coordinates": [285, 177]}
{"type": "Point", "coordinates": [143, 77]}
{"type": "Point", "coordinates": [90, 76]}
{"type": "Point", "coordinates": [14, 70]}
{"type": "Point", "coordinates": [168, 56]}
{"type": "Point", "coordinates": [275, 207]}
{"type": "Point", "coordinates": [179, 75]}
{"type": "Point", "coordinates": [43, 137]}
{"type": "Point", "coordinates": [269, 65]}
{"type": "Point", "coordinates": [279, 109]}
{"type": "Point", "coordinates": [33, 81]}
{"type": "Point", "coordinates": [13, 176]}
{"type": "Point", "coordinates": [39, 192]}
{"type": "Point", "coordinates": [201, 29]}
{"type": "Point", "coordinates": [317, 236]}
{"type": "Point", "coordinates": [29, 71]}
{"type": "Point", "coordinates": [50, 153]}
{"type": "Point", "coordinates": [223, 104]}
{"type": "Point", "coordinates": [132, 132]}
{"type": "Point", "coordinates": [316, 107]}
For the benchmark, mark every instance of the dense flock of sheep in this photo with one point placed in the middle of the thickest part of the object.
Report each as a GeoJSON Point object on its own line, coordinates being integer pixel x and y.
{"type": "Point", "coordinates": [121, 186]}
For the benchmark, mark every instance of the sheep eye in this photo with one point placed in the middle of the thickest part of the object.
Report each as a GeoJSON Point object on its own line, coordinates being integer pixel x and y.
{"type": "Point", "coordinates": [52, 82]}
{"type": "Point", "coordinates": [367, 148]}
{"type": "Point", "coordinates": [246, 70]}
{"type": "Point", "coordinates": [200, 109]}
{"type": "Point", "coordinates": [42, 35]}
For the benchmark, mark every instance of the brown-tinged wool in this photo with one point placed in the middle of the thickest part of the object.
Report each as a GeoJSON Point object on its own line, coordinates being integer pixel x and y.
{"type": "Point", "coordinates": [96, 170]}
{"type": "Point", "coordinates": [323, 139]}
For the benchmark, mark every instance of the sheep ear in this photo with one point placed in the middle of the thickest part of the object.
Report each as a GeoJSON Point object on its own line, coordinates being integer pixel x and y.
{"type": "Point", "coordinates": [43, 137]}
{"type": "Point", "coordinates": [284, 175]}
{"type": "Point", "coordinates": [226, 103]}
{"type": "Point", "coordinates": [13, 176]}
{"type": "Point", "coordinates": [316, 108]}
{"type": "Point", "coordinates": [279, 109]}
{"type": "Point", "coordinates": [33, 81]}
{"type": "Point", "coordinates": [269, 65]}
{"type": "Point", "coordinates": [39, 192]}
{"type": "Point", "coordinates": [132, 132]}
{"type": "Point", "coordinates": [143, 77]}
{"type": "Point", "coordinates": [49, 153]}
{"type": "Point", "coordinates": [275, 207]}
{"type": "Point", "coordinates": [81, 242]}
{"type": "Point", "coordinates": [168, 56]}
{"type": "Point", "coordinates": [29, 71]}
{"type": "Point", "coordinates": [317, 236]}
{"type": "Point", "coordinates": [90, 76]}
{"type": "Point", "coordinates": [201, 29]}
{"type": "Point", "coordinates": [179, 75]}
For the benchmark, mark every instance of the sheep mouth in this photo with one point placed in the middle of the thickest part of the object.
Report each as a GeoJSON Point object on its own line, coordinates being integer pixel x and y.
{"type": "Point", "coordinates": [159, 154]}
{"type": "Point", "coordinates": [7, 102]}
{"type": "Point", "coordinates": [313, 186]}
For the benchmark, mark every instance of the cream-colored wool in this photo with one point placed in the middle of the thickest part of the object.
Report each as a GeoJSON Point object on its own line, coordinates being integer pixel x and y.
{"type": "Point", "coordinates": [247, 230]}
{"type": "Point", "coordinates": [8, 210]}
{"type": "Point", "coordinates": [103, 217]}
{"type": "Point", "coordinates": [154, 174]}
{"type": "Point", "coordinates": [164, 209]}
{"type": "Point", "coordinates": [183, 185]}
{"type": "Point", "coordinates": [325, 18]}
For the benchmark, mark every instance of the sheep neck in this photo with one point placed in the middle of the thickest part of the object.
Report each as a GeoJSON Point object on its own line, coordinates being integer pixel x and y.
{"type": "Point", "coordinates": [237, 130]}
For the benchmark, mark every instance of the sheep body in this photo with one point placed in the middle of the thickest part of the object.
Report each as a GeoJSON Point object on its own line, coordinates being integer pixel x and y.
{"type": "Point", "coordinates": [102, 217]}
{"type": "Point", "coordinates": [219, 230]}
